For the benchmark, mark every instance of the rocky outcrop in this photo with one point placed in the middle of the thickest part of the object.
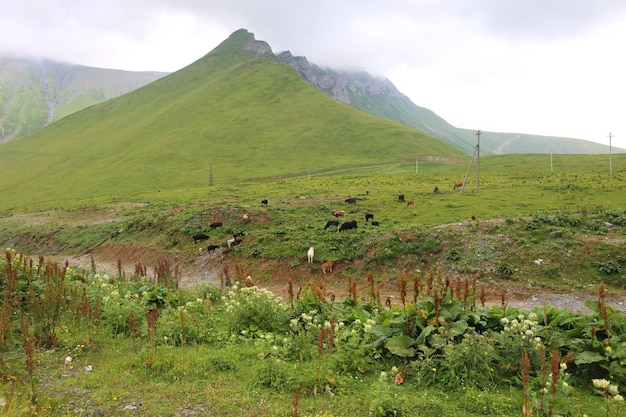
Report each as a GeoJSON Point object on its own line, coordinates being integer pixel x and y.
{"type": "Point", "coordinates": [340, 84]}
{"type": "Point", "coordinates": [260, 48]}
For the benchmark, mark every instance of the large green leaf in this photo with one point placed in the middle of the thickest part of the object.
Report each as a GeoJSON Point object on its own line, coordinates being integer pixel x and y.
{"type": "Point", "coordinates": [401, 346]}
{"type": "Point", "coordinates": [588, 357]}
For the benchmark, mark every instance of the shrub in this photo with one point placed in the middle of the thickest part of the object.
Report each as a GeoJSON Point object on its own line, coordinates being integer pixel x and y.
{"type": "Point", "coordinates": [453, 255]}
{"type": "Point", "coordinates": [470, 363]}
{"type": "Point", "coordinates": [117, 312]}
{"type": "Point", "coordinates": [253, 308]}
{"type": "Point", "coordinates": [275, 373]}
{"type": "Point", "coordinates": [609, 268]}
{"type": "Point", "coordinates": [505, 270]}
{"type": "Point", "coordinates": [179, 326]}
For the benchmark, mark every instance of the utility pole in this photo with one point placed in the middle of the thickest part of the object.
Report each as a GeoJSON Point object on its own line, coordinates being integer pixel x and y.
{"type": "Point", "coordinates": [478, 160]}
{"type": "Point", "coordinates": [550, 158]}
{"type": "Point", "coordinates": [610, 158]}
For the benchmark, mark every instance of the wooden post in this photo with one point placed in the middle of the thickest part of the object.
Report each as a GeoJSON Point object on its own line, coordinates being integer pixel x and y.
{"type": "Point", "coordinates": [610, 158]}
{"type": "Point", "coordinates": [478, 160]}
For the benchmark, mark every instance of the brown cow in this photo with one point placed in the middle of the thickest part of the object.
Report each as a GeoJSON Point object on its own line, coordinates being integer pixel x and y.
{"type": "Point", "coordinates": [327, 266]}
{"type": "Point", "coordinates": [458, 185]}
{"type": "Point", "coordinates": [338, 213]}
{"type": "Point", "coordinates": [410, 203]}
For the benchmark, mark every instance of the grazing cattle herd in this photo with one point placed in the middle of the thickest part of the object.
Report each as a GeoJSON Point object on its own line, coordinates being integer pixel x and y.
{"type": "Point", "coordinates": [327, 267]}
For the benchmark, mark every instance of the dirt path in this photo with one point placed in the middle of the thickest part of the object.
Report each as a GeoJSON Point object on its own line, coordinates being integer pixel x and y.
{"type": "Point", "coordinates": [203, 268]}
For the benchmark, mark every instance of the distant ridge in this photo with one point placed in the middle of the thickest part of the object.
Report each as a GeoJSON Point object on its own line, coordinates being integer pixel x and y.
{"type": "Point", "coordinates": [35, 93]}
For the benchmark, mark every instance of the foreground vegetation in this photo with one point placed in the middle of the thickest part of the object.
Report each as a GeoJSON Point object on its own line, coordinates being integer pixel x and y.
{"type": "Point", "coordinates": [76, 342]}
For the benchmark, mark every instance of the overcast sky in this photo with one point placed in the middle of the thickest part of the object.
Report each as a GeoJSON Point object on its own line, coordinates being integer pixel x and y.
{"type": "Point", "coordinates": [550, 67]}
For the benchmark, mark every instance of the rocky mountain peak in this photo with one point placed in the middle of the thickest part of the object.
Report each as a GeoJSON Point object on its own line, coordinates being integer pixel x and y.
{"type": "Point", "coordinates": [260, 48]}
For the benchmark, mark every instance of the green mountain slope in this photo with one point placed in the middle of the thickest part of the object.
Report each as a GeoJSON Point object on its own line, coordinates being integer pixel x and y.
{"type": "Point", "coordinates": [237, 111]}
{"type": "Point", "coordinates": [35, 93]}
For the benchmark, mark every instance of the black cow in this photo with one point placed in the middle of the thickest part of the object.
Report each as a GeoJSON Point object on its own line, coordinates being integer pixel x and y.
{"type": "Point", "coordinates": [401, 198]}
{"type": "Point", "coordinates": [211, 248]}
{"type": "Point", "coordinates": [351, 200]}
{"type": "Point", "coordinates": [264, 202]}
{"type": "Point", "coordinates": [238, 235]}
{"type": "Point", "coordinates": [368, 217]}
{"type": "Point", "coordinates": [348, 225]}
{"type": "Point", "coordinates": [215, 225]}
{"type": "Point", "coordinates": [331, 223]}
{"type": "Point", "coordinates": [374, 223]}
{"type": "Point", "coordinates": [199, 237]}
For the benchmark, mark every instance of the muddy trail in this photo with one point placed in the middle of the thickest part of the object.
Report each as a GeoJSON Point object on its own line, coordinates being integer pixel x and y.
{"type": "Point", "coordinates": [216, 268]}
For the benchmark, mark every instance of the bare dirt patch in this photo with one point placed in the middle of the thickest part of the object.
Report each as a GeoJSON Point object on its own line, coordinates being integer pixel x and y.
{"type": "Point", "coordinates": [86, 217]}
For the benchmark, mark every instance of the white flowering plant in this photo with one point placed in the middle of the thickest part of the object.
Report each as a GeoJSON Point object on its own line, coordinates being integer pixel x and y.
{"type": "Point", "coordinates": [255, 309]}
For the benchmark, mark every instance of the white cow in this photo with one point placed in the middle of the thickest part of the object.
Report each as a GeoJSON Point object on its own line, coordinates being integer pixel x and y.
{"type": "Point", "coordinates": [310, 254]}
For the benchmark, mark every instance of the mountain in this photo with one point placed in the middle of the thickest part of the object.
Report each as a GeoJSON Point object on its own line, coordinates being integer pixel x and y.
{"type": "Point", "coordinates": [236, 114]}
{"type": "Point", "coordinates": [379, 97]}
{"type": "Point", "coordinates": [35, 93]}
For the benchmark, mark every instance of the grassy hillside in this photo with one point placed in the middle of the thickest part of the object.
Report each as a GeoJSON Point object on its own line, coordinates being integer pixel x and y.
{"type": "Point", "coordinates": [35, 93]}
{"type": "Point", "coordinates": [401, 109]}
{"type": "Point", "coordinates": [523, 212]}
{"type": "Point", "coordinates": [242, 115]}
